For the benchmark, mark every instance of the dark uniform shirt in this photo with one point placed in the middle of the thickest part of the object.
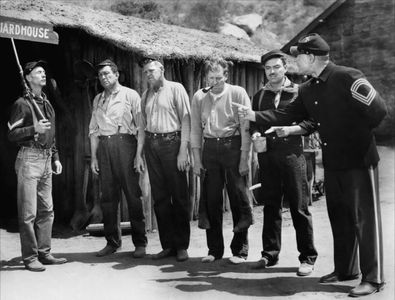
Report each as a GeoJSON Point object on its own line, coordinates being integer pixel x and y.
{"type": "Point", "coordinates": [21, 127]}
{"type": "Point", "coordinates": [265, 101]}
{"type": "Point", "coordinates": [345, 107]}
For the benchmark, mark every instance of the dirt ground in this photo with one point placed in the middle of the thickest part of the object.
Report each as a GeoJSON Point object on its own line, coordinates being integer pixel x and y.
{"type": "Point", "coordinates": [119, 276]}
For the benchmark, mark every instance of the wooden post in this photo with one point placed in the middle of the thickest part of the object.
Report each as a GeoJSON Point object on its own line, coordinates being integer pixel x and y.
{"type": "Point", "coordinates": [242, 75]}
{"type": "Point", "coordinates": [189, 69]}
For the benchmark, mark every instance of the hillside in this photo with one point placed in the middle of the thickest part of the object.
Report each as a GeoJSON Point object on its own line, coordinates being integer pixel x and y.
{"type": "Point", "coordinates": [282, 19]}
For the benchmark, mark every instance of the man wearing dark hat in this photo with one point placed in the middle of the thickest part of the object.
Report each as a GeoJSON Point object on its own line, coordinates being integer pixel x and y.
{"type": "Point", "coordinates": [283, 170]}
{"type": "Point", "coordinates": [32, 127]}
{"type": "Point", "coordinates": [115, 151]}
{"type": "Point", "coordinates": [167, 123]}
{"type": "Point", "coordinates": [346, 108]}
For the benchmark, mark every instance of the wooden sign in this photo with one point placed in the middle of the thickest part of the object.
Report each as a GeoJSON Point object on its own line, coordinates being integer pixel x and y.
{"type": "Point", "coordinates": [27, 30]}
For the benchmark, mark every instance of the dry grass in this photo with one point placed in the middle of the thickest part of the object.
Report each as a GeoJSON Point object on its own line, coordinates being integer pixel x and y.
{"type": "Point", "coordinates": [133, 34]}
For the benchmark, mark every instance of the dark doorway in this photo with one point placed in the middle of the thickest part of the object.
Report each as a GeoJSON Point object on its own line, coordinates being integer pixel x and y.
{"type": "Point", "coordinates": [11, 90]}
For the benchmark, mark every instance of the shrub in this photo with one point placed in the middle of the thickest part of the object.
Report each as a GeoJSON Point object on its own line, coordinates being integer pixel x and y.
{"type": "Point", "coordinates": [146, 10]}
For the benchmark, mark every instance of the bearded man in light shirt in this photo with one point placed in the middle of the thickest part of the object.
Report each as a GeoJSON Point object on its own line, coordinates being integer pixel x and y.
{"type": "Point", "coordinates": [167, 123]}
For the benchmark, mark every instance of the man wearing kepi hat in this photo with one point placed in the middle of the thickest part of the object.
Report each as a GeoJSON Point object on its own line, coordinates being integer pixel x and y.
{"type": "Point", "coordinates": [34, 132]}
{"type": "Point", "coordinates": [115, 150]}
{"type": "Point", "coordinates": [283, 170]}
{"type": "Point", "coordinates": [346, 108]}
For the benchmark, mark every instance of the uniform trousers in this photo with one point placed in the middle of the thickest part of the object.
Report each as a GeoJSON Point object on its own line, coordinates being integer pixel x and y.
{"type": "Point", "coordinates": [169, 189]}
{"type": "Point", "coordinates": [116, 162]}
{"type": "Point", "coordinates": [284, 177]}
{"type": "Point", "coordinates": [221, 159]}
{"type": "Point", "coordinates": [35, 206]}
{"type": "Point", "coordinates": [354, 212]}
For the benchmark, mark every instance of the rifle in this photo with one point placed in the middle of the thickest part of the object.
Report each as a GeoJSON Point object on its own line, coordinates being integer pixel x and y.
{"type": "Point", "coordinates": [26, 90]}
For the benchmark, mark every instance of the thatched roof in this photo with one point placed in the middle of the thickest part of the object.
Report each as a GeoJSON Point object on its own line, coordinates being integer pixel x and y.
{"type": "Point", "coordinates": [133, 34]}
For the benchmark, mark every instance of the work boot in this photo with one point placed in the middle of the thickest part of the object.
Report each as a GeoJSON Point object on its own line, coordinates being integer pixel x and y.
{"type": "Point", "coordinates": [263, 263]}
{"type": "Point", "coordinates": [50, 260]}
{"type": "Point", "coordinates": [365, 288]}
{"type": "Point", "coordinates": [139, 252]}
{"type": "Point", "coordinates": [335, 277]}
{"type": "Point", "coordinates": [107, 250]}
{"type": "Point", "coordinates": [34, 266]}
{"type": "Point", "coordinates": [164, 253]}
{"type": "Point", "coordinates": [182, 255]}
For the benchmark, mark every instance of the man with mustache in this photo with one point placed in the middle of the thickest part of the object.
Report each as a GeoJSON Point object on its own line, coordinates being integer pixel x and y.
{"type": "Point", "coordinates": [223, 159]}
{"type": "Point", "coordinates": [346, 109]}
{"type": "Point", "coordinates": [283, 170]}
{"type": "Point", "coordinates": [115, 151]}
{"type": "Point", "coordinates": [33, 129]}
{"type": "Point", "coordinates": [167, 123]}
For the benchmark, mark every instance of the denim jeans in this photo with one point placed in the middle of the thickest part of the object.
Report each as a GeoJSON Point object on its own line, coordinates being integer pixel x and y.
{"type": "Point", "coordinates": [221, 159]}
{"type": "Point", "coordinates": [284, 177]}
{"type": "Point", "coordinates": [116, 163]}
{"type": "Point", "coordinates": [169, 191]}
{"type": "Point", "coordinates": [35, 207]}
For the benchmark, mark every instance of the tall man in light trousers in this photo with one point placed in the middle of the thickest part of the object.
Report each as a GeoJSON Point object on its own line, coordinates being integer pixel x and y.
{"type": "Point", "coordinates": [35, 134]}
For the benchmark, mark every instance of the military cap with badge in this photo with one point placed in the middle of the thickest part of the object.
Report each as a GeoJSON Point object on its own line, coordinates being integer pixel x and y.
{"type": "Point", "coordinates": [311, 44]}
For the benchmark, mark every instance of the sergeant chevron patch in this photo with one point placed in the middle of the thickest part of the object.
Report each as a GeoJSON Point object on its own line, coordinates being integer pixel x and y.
{"type": "Point", "coordinates": [363, 91]}
{"type": "Point", "coordinates": [19, 122]}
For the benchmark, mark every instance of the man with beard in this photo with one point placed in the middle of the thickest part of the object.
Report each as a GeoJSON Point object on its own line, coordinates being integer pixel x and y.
{"type": "Point", "coordinates": [167, 123]}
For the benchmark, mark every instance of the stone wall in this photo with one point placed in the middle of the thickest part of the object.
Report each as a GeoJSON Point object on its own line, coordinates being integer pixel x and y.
{"type": "Point", "coordinates": [361, 34]}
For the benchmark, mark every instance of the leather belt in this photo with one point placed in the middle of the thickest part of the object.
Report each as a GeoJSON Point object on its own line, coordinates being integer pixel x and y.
{"type": "Point", "coordinates": [222, 139]}
{"type": "Point", "coordinates": [104, 137]}
{"type": "Point", "coordinates": [46, 151]}
{"type": "Point", "coordinates": [161, 135]}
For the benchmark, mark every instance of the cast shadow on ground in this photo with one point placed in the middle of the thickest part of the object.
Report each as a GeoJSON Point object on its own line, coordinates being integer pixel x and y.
{"type": "Point", "coordinates": [220, 275]}
{"type": "Point", "coordinates": [14, 264]}
{"type": "Point", "coordinates": [123, 260]}
{"type": "Point", "coordinates": [263, 287]}
{"type": "Point", "coordinates": [243, 280]}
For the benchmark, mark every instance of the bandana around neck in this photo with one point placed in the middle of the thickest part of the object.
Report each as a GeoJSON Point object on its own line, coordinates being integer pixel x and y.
{"type": "Point", "coordinates": [287, 86]}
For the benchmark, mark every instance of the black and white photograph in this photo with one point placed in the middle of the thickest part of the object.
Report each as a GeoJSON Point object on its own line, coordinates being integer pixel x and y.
{"type": "Point", "coordinates": [197, 149]}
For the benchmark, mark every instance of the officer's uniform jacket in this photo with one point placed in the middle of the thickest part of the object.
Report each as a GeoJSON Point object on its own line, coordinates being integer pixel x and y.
{"type": "Point", "coordinates": [345, 107]}
{"type": "Point", "coordinates": [21, 127]}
